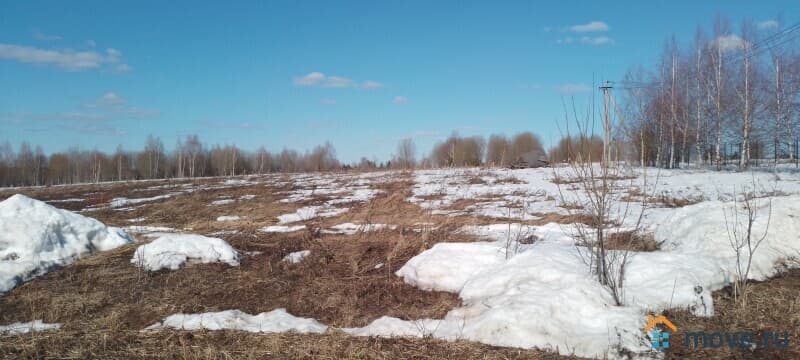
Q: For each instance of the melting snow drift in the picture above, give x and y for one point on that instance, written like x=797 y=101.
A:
x=171 y=251
x=24 y=328
x=277 y=320
x=36 y=237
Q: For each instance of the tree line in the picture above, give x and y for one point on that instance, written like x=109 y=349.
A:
x=29 y=166
x=728 y=96
x=189 y=158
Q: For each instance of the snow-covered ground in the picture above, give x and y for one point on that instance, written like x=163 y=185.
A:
x=522 y=285
x=542 y=294
x=36 y=237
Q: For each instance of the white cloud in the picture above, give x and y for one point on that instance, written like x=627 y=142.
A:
x=599 y=40
x=38 y=35
x=730 y=42
x=98 y=117
x=113 y=103
x=566 y=40
x=66 y=59
x=123 y=68
x=767 y=24
x=400 y=100
x=111 y=98
x=318 y=79
x=573 y=88
x=591 y=26
x=369 y=84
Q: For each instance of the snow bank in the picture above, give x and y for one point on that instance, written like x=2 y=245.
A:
x=277 y=320
x=697 y=257
x=171 y=251
x=544 y=296
x=36 y=237
x=296 y=256
x=448 y=266
x=24 y=328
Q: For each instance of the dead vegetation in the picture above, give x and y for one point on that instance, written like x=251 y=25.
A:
x=173 y=344
x=773 y=306
x=347 y=281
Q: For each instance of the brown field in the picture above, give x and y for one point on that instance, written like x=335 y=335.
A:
x=104 y=301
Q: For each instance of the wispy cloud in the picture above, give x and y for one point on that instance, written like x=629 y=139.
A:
x=67 y=59
x=98 y=116
x=767 y=24
x=592 y=26
x=328 y=102
x=318 y=79
x=598 y=40
x=400 y=100
x=730 y=42
x=112 y=102
x=573 y=88
x=369 y=84
x=39 y=35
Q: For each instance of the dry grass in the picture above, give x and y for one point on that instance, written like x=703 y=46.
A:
x=630 y=240
x=103 y=300
x=773 y=306
x=173 y=344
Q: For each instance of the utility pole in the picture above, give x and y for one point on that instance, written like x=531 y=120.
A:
x=606 y=88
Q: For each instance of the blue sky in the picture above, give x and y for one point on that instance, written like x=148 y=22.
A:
x=361 y=74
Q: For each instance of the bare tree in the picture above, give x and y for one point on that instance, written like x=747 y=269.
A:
x=739 y=222
x=405 y=156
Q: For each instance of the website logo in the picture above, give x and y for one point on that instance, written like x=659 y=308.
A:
x=659 y=337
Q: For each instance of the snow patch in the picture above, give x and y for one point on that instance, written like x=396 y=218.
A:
x=171 y=251
x=310 y=212
x=275 y=321
x=296 y=256
x=222 y=202
x=24 y=328
x=351 y=229
x=282 y=228
x=229 y=218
